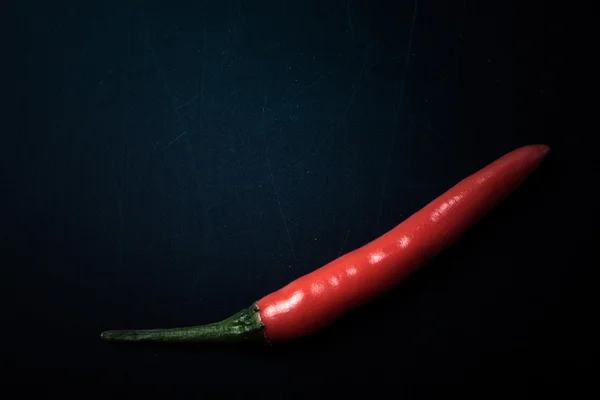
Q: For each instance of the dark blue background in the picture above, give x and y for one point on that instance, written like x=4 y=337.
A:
x=168 y=163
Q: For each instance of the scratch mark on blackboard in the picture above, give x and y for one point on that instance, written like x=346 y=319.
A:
x=408 y=51
x=397 y=106
x=356 y=87
x=188 y=102
x=120 y=206
x=240 y=233
x=345 y=241
x=349 y=17
x=176 y=139
x=287 y=231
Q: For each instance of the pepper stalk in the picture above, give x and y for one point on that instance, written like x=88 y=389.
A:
x=244 y=326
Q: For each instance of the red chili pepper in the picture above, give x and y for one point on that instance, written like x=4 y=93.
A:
x=317 y=299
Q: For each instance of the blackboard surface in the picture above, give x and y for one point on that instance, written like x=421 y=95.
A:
x=168 y=163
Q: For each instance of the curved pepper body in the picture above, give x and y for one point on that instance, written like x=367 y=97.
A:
x=317 y=299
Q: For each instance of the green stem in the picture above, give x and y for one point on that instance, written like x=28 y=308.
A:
x=243 y=326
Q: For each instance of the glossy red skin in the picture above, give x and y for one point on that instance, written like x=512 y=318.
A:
x=319 y=298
